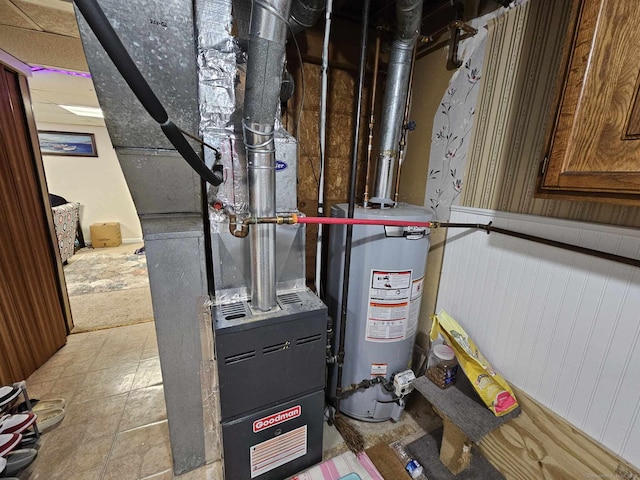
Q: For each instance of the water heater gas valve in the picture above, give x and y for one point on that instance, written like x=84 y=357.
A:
x=403 y=383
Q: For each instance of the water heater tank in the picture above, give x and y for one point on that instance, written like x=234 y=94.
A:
x=385 y=290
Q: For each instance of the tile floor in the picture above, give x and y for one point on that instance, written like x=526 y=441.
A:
x=116 y=424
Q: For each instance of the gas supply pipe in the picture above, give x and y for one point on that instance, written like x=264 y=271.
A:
x=360 y=221
x=240 y=227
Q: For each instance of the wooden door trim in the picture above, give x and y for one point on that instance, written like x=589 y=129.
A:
x=44 y=193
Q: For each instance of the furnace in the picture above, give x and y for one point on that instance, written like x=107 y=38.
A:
x=223 y=231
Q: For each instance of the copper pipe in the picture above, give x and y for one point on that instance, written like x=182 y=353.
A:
x=243 y=224
x=372 y=121
x=241 y=232
x=405 y=125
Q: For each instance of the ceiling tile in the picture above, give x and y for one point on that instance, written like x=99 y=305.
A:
x=53 y=20
x=47 y=113
x=62 y=89
x=12 y=16
x=39 y=97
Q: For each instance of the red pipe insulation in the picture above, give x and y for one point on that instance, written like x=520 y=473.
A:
x=361 y=221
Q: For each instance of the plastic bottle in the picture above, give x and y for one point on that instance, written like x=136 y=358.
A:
x=442 y=366
x=413 y=468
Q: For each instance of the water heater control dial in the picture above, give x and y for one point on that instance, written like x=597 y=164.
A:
x=403 y=383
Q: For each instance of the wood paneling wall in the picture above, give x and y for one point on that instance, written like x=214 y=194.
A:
x=32 y=312
x=515 y=108
x=561 y=326
x=341 y=108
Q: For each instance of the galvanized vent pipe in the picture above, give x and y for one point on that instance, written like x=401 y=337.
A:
x=266 y=51
x=304 y=14
x=409 y=13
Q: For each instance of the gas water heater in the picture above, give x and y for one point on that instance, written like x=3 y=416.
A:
x=385 y=290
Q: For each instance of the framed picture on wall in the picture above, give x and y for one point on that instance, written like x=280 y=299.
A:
x=69 y=144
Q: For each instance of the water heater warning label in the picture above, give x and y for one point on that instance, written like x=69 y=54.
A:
x=389 y=302
x=379 y=370
x=277 y=451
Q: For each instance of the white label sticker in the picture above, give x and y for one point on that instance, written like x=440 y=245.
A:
x=391 y=280
x=389 y=298
x=378 y=369
x=414 y=306
x=277 y=451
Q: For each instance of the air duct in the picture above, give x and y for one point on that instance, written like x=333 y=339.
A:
x=266 y=51
x=409 y=13
x=304 y=14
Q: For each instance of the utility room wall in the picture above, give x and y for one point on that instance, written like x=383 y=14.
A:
x=341 y=109
x=96 y=182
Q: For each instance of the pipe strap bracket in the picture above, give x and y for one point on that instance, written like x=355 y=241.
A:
x=268 y=23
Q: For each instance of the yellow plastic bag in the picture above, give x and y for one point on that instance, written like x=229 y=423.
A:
x=492 y=388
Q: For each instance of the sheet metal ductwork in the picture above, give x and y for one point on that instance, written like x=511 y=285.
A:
x=409 y=13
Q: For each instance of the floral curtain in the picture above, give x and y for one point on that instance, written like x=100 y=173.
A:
x=451 y=134
x=454 y=122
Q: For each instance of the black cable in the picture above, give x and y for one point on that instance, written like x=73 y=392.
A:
x=108 y=38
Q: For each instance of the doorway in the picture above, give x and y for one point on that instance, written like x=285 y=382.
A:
x=108 y=286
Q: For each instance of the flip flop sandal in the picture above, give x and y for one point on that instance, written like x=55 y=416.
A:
x=41 y=405
x=16 y=423
x=8 y=395
x=49 y=418
x=8 y=442
x=20 y=459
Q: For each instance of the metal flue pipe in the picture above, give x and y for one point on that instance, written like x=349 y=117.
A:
x=409 y=13
x=265 y=59
x=304 y=14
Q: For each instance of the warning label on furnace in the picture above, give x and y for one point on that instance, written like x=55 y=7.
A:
x=389 y=301
x=277 y=451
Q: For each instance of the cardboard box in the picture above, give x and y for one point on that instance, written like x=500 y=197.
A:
x=105 y=234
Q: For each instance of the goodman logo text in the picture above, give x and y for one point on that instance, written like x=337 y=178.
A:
x=276 y=418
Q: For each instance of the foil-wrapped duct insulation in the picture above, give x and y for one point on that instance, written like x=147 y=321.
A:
x=222 y=28
x=221 y=75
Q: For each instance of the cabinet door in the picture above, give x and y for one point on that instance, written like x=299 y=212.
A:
x=595 y=146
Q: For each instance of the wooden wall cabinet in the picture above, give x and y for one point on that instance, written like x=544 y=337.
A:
x=594 y=147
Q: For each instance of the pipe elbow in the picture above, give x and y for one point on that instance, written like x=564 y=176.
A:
x=240 y=232
x=409 y=13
